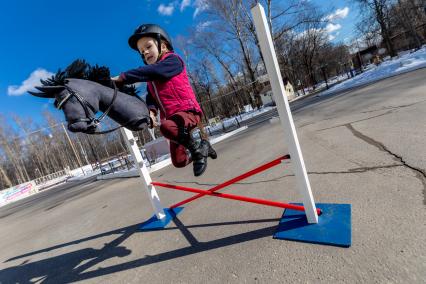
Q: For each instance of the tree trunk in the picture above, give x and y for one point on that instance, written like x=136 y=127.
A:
x=4 y=178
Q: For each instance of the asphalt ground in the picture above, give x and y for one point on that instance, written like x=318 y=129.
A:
x=364 y=147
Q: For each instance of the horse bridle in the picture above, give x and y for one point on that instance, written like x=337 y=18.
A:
x=91 y=120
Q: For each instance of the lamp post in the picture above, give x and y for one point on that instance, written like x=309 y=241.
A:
x=94 y=153
x=361 y=63
x=323 y=68
x=73 y=149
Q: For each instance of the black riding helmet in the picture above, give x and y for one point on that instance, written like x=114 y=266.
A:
x=153 y=31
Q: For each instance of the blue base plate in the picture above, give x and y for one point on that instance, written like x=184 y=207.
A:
x=156 y=224
x=333 y=228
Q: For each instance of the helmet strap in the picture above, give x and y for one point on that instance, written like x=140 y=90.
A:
x=158 y=38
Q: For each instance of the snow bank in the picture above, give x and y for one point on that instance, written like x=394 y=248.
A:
x=404 y=63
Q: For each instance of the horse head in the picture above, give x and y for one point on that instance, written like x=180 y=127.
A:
x=79 y=110
x=81 y=99
x=82 y=90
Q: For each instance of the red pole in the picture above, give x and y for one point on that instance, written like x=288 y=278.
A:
x=234 y=180
x=235 y=197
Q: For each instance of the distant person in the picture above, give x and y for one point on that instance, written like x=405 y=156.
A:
x=377 y=60
x=169 y=92
x=352 y=69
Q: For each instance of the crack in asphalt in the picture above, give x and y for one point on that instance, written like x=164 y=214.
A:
x=383 y=108
x=394 y=107
x=420 y=174
x=350 y=171
x=364 y=119
x=358 y=170
x=390 y=108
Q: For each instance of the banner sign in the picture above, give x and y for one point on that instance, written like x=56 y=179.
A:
x=17 y=192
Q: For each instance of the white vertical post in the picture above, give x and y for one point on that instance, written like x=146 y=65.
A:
x=143 y=172
x=269 y=55
x=152 y=132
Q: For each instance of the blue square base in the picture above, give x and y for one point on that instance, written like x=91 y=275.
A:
x=333 y=228
x=156 y=224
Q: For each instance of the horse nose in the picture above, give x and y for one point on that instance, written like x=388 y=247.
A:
x=91 y=129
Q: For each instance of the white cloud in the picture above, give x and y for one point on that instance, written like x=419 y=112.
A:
x=332 y=27
x=342 y=13
x=333 y=36
x=200 y=5
x=28 y=84
x=203 y=25
x=184 y=4
x=166 y=10
x=339 y=14
x=331 y=30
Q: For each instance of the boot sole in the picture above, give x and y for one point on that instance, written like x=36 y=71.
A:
x=197 y=175
x=202 y=172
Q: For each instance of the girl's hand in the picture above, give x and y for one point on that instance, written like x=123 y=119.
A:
x=153 y=119
x=117 y=79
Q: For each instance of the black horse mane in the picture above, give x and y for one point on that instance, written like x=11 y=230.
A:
x=80 y=69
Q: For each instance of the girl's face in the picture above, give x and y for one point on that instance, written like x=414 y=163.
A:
x=147 y=46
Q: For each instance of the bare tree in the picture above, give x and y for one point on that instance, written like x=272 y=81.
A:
x=12 y=148
x=5 y=182
x=406 y=18
x=368 y=31
x=232 y=26
x=306 y=47
x=379 y=10
x=38 y=160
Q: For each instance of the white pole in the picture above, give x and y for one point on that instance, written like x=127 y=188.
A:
x=143 y=173
x=152 y=132
x=269 y=55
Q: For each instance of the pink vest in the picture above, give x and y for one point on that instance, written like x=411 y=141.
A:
x=175 y=94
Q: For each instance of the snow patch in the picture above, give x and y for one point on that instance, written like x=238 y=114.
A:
x=405 y=62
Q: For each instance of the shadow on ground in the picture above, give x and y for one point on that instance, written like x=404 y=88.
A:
x=71 y=267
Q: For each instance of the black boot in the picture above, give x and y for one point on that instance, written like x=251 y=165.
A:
x=199 y=152
x=212 y=153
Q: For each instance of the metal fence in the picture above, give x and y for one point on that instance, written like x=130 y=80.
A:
x=50 y=177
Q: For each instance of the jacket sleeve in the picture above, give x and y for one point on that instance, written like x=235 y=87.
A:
x=162 y=70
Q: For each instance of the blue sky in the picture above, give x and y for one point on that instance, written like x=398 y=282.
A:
x=39 y=37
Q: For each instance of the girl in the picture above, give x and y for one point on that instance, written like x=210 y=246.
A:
x=170 y=92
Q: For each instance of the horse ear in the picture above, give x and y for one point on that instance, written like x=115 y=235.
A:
x=50 y=91
x=41 y=95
